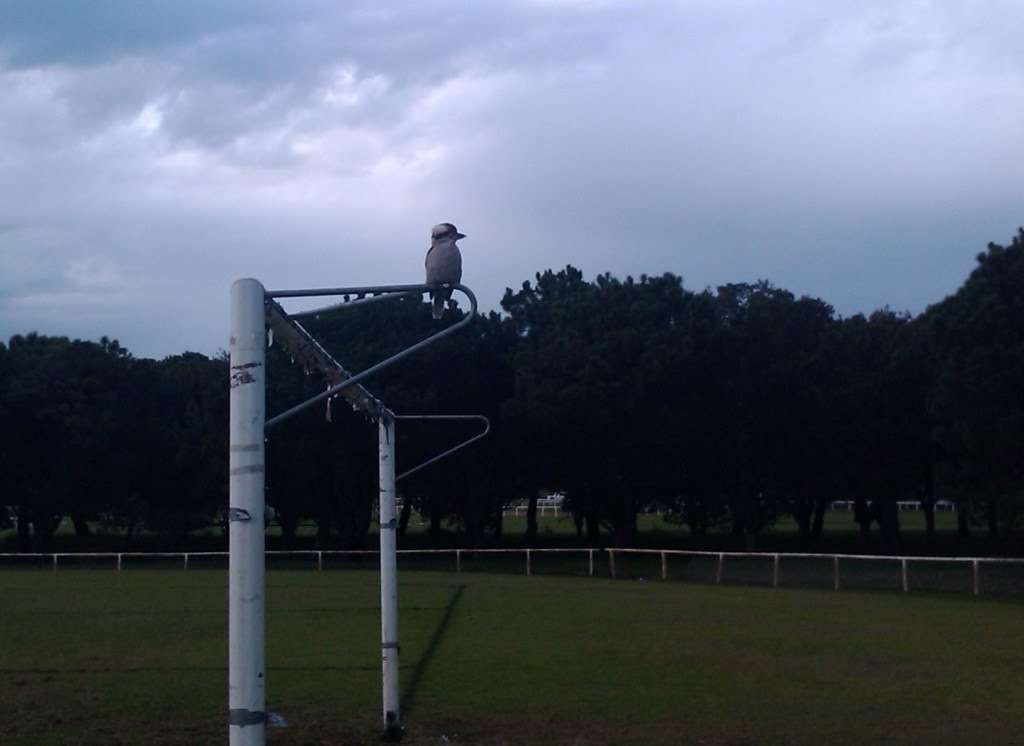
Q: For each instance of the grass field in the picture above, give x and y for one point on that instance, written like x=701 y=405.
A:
x=102 y=657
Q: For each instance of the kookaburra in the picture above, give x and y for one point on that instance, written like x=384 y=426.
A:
x=444 y=263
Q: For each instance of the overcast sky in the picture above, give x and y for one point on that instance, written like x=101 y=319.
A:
x=153 y=152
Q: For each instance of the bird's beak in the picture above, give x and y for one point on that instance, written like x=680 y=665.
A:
x=459 y=235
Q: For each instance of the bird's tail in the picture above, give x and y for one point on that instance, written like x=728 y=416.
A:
x=438 y=306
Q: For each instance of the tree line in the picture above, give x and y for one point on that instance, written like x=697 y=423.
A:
x=725 y=409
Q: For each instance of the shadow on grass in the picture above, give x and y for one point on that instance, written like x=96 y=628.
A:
x=409 y=697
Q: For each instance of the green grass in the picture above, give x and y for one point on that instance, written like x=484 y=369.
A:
x=100 y=657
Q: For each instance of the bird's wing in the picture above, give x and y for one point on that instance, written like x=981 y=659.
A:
x=444 y=264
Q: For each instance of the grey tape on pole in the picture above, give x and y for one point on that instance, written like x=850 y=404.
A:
x=392 y=524
x=389 y=646
x=251 y=469
x=238 y=514
x=242 y=718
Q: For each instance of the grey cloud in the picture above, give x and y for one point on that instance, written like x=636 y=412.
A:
x=863 y=152
x=78 y=33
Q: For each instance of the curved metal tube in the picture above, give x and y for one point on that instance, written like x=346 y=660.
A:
x=450 y=451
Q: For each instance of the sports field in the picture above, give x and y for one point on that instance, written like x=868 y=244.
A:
x=140 y=656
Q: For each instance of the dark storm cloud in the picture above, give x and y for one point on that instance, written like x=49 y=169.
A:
x=154 y=152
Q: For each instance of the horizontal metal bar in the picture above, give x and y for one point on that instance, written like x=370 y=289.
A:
x=450 y=451
x=371 y=290
x=369 y=552
x=822 y=555
x=439 y=417
x=338 y=388
x=349 y=304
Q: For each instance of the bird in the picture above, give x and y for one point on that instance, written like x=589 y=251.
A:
x=443 y=263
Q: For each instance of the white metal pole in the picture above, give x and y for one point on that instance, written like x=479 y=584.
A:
x=388 y=577
x=246 y=695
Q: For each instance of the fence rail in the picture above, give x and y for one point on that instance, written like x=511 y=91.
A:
x=973 y=575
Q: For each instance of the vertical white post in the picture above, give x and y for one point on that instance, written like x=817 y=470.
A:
x=246 y=695
x=388 y=578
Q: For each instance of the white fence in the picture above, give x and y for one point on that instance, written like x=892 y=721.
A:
x=542 y=510
x=120 y=560
x=971 y=574
x=545 y=506
x=964 y=574
x=900 y=504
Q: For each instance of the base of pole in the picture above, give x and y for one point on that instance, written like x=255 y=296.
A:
x=393 y=730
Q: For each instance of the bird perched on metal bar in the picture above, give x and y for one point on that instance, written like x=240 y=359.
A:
x=444 y=263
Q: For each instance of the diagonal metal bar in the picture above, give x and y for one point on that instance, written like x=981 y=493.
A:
x=358 y=377
x=306 y=351
x=450 y=451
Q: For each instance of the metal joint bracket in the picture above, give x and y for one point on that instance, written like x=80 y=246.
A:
x=390 y=525
x=389 y=646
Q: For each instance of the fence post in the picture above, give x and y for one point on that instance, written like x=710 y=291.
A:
x=664 y=568
x=319 y=560
x=528 y=568
x=611 y=561
x=590 y=552
x=977 y=583
x=458 y=560
x=119 y=562
x=186 y=561
x=835 y=571
x=903 y=572
x=775 y=571
x=55 y=563
x=718 y=572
